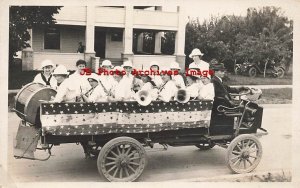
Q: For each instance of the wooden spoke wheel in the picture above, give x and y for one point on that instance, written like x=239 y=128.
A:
x=252 y=72
x=280 y=72
x=244 y=154
x=122 y=159
x=205 y=146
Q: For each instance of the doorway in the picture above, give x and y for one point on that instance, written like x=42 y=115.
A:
x=100 y=41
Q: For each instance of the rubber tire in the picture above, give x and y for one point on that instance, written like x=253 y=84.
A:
x=252 y=72
x=206 y=147
x=233 y=144
x=116 y=141
x=282 y=72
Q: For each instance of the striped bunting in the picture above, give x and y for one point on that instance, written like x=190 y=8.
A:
x=122 y=117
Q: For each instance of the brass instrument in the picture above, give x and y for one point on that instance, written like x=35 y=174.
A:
x=182 y=96
x=143 y=98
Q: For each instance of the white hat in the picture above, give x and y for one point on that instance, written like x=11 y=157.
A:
x=47 y=62
x=127 y=64
x=93 y=76
x=174 y=65
x=106 y=63
x=196 y=51
x=154 y=63
x=118 y=68
x=60 y=69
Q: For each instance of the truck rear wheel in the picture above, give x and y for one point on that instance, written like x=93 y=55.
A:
x=122 y=159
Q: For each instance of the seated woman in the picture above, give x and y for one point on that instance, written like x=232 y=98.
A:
x=207 y=91
x=177 y=78
x=96 y=93
x=168 y=88
x=116 y=84
x=65 y=91
x=125 y=90
x=193 y=85
x=45 y=77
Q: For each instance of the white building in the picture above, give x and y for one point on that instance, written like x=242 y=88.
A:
x=106 y=33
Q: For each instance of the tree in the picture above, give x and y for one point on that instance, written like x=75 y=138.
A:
x=22 y=18
x=261 y=35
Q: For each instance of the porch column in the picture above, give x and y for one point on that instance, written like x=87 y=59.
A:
x=140 y=42
x=157 y=47
x=180 y=37
x=89 y=34
x=128 y=32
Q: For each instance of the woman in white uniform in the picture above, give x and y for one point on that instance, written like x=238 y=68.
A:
x=45 y=77
x=177 y=78
x=207 y=91
x=96 y=93
x=168 y=88
x=193 y=85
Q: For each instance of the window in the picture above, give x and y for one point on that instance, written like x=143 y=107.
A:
x=117 y=35
x=52 y=39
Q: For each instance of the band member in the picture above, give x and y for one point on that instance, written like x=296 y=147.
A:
x=60 y=74
x=81 y=80
x=193 y=85
x=168 y=88
x=45 y=77
x=116 y=85
x=66 y=91
x=207 y=90
x=125 y=91
x=106 y=77
x=154 y=67
x=196 y=55
x=177 y=78
x=96 y=93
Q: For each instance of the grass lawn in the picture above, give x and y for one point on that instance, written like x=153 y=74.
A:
x=276 y=96
x=246 y=80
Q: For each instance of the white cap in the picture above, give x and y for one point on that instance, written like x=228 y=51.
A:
x=60 y=69
x=127 y=64
x=106 y=63
x=93 y=76
x=47 y=62
x=118 y=68
x=154 y=63
x=174 y=65
x=196 y=51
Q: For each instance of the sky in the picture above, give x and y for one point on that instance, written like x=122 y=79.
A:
x=204 y=10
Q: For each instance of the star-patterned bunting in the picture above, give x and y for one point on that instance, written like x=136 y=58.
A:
x=122 y=117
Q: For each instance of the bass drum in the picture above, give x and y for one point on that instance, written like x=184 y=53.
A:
x=28 y=100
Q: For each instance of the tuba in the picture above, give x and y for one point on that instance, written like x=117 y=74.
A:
x=182 y=96
x=143 y=97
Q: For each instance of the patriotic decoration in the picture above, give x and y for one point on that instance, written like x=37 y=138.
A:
x=122 y=117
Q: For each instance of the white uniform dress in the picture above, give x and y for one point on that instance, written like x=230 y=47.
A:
x=203 y=66
x=168 y=91
x=67 y=92
x=207 y=92
x=193 y=90
x=38 y=79
x=97 y=94
x=157 y=80
x=71 y=88
x=107 y=81
x=179 y=82
x=123 y=90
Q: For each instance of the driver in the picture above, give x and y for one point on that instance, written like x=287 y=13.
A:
x=222 y=90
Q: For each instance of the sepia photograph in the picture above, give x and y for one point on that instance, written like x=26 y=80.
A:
x=191 y=91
